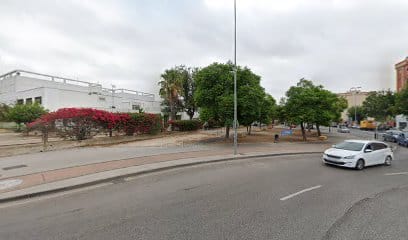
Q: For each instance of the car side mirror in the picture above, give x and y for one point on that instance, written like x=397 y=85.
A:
x=368 y=150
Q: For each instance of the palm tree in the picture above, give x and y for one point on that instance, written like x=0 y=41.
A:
x=170 y=88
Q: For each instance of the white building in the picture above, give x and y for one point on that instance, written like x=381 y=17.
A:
x=21 y=87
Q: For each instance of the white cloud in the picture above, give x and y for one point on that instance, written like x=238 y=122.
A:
x=338 y=43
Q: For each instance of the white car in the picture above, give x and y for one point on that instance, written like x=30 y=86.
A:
x=358 y=154
x=343 y=130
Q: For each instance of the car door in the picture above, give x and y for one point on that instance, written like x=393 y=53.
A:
x=379 y=153
x=369 y=155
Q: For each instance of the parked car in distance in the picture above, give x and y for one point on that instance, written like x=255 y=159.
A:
x=343 y=129
x=391 y=135
x=403 y=139
x=358 y=154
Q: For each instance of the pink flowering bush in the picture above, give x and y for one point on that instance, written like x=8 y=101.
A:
x=83 y=123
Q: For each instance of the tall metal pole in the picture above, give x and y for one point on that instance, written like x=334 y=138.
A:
x=235 y=80
x=353 y=91
x=355 y=108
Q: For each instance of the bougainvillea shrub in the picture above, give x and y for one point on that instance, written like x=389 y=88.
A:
x=143 y=123
x=83 y=123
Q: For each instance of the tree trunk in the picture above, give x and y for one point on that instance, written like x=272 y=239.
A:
x=303 y=131
x=227 y=131
x=190 y=114
x=45 y=138
x=250 y=128
x=318 y=130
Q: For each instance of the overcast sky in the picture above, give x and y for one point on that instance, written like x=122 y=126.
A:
x=337 y=43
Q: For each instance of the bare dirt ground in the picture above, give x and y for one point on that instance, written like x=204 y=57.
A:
x=218 y=136
x=12 y=143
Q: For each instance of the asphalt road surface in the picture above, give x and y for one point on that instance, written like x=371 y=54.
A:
x=293 y=197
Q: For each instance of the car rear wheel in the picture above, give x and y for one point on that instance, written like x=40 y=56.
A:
x=387 y=161
x=360 y=164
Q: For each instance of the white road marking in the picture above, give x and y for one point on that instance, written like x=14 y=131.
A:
x=300 y=192
x=397 y=173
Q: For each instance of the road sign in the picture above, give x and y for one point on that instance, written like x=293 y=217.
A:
x=286 y=132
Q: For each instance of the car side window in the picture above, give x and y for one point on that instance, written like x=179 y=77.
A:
x=378 y=146
x=369 y=146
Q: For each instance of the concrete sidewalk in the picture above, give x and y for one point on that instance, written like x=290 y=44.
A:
x=69 y=171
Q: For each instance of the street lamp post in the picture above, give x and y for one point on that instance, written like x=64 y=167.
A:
x=113 y=96
x=235 y=80
x=353 y=91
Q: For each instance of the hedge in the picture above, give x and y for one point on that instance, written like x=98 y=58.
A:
x=83 y=123
x=186 y=125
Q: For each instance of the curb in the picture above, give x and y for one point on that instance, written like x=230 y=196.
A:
x=143 y=172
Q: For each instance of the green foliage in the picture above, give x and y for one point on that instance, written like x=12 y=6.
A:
x=402 y=102
x=268 y=109
x=359 y=110
x=380 y=105
x=308 y=103
x=4 y=109
x=170 y=88
x=25 y=113
x=188 y=89
x=142 y=123
x=214 y=95
x=187 y=125
x=177 y=90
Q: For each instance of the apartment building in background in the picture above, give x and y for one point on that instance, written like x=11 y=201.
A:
x=53 y=92
x=354 y=98
x=401 y=69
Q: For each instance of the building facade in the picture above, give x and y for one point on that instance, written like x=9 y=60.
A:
x=53 y=92
x=401 y=69
x=354 y=98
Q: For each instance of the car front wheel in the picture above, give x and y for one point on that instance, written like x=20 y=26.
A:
x=360 y=164
x=387 y=161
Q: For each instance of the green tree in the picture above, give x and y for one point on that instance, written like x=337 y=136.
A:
x=357 y=110
x=250 y=103
x=25 y=113
x=328 y=107
x=340 y=106
x=380 y=105
x=281 y=111
x=170 y=89
x=188 y=89
x=402 y=102
x=3 y=111
x=308 y=104
x=214 y=94
x=268 y=110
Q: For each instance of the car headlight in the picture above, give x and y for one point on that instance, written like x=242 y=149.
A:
x=349 y=157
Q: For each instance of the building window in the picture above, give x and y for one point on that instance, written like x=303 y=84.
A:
x=38 y=100
x=102 y=99
x=20 y=101
x=135 y=107
x=29 y=101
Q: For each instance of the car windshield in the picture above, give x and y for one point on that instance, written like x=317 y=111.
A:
x=351 y=146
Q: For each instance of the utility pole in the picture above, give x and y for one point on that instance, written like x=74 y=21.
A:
x=113 y=97
x=353 y=91
x=235 y=81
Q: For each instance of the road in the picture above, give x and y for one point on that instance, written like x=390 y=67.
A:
x=267 y=198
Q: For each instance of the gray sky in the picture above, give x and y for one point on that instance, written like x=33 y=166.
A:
x=337 y=43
